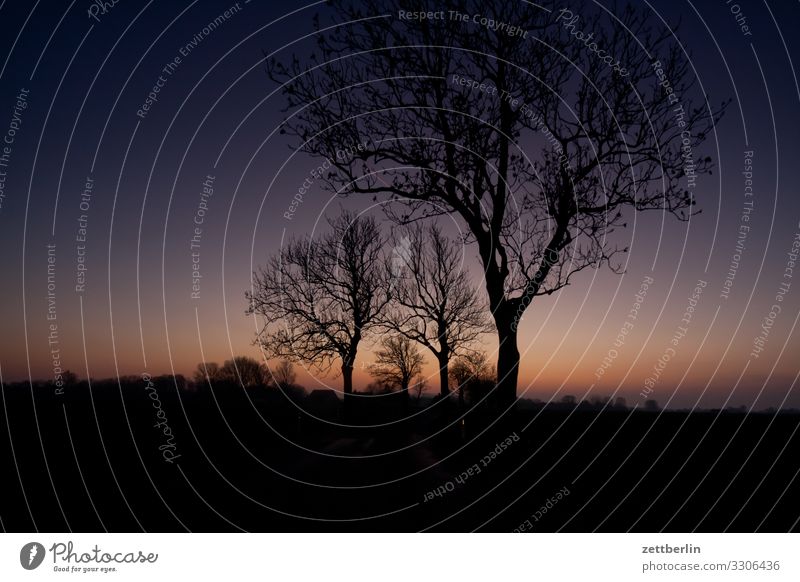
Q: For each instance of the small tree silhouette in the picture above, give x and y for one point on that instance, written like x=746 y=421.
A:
x=434 y=302
x=243 y=370
x=418 y=388
x=319 y=299
x=397 y=363
x=283 y=374
x=206 y=372
x=470 y=371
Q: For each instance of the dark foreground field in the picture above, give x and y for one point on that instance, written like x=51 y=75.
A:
x=252 y=460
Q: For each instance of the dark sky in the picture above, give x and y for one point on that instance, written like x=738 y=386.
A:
x=215 y=121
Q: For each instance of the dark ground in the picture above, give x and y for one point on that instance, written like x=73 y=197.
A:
x=242 y=465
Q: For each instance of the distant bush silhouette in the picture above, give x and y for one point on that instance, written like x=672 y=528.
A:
x=569 y=400
x=651 y=405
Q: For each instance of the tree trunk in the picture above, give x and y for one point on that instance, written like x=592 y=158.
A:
x=507 y=360
x=404 y=390
x=348 y=362
x=444 y=360
x=347 y=377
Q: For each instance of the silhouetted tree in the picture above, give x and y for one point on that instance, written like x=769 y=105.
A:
x=282 y=377
x=319 y=298
x=441 y=110
x=397 y=363
x=243 y=370
x=434 y=301
x=206 y=372
x=470 y=371
x=419 y=387
x=283 y=374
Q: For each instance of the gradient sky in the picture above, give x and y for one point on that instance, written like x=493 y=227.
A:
x=216 y=115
